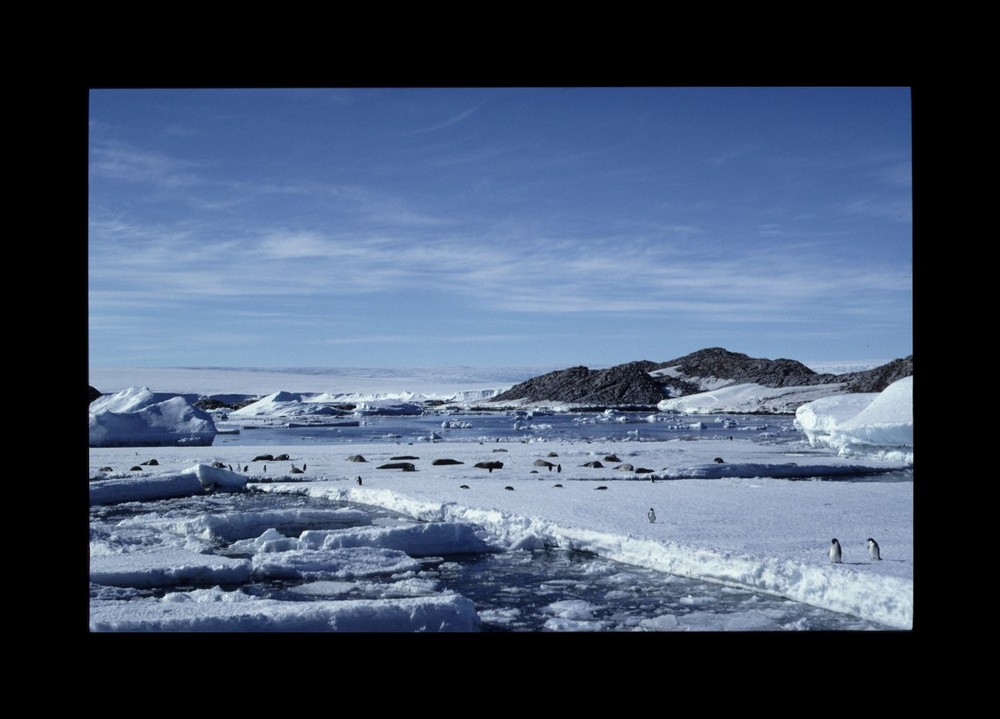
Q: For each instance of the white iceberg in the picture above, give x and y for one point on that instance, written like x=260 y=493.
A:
x=138 y=417
x=877 y=425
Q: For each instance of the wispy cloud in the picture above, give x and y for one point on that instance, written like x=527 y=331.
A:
x=453 y=120
x=117 y=161
x=435 y=210
x=505 y=273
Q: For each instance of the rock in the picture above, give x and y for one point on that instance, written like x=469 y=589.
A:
x=878 y=378
x=644 y=383
x=624 y=384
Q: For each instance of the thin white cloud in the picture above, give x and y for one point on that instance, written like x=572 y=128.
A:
x=454 y=120
x=117 y=161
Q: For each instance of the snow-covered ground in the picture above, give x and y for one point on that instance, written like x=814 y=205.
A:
x=745 y=512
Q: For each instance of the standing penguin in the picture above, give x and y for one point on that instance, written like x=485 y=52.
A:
x=873 y=550
x=359 y=481
x=835 y=551
x=651 y=515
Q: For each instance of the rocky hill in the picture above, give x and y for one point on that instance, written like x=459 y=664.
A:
x=878 y=378
x=646 y=383
x=629 y=383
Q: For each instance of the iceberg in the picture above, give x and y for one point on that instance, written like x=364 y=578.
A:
x=138 y=417
x=876 y=425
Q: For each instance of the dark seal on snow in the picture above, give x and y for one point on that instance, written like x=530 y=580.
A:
x=405 y=466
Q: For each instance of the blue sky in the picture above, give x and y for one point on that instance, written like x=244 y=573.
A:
x=411 y=227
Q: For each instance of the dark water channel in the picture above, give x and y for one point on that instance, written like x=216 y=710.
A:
x=519 y=591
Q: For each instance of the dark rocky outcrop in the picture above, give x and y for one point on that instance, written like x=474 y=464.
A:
x=632 y=385
x=628 y=383
x=878 y=378
x=94 y=393
x=211 y=403
x=740 y=368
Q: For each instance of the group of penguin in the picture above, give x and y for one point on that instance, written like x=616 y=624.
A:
x=835 y=552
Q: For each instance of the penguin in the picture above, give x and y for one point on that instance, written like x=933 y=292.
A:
x=835 y=551
x=304 y=466
x=873 y=550
x=359 y=481
x=651 y=515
